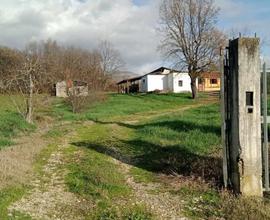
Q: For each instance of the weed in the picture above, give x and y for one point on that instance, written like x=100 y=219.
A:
x=134 y=212
x=7 y=197
x=245 y=207
x=201 y=203
x=137 y=213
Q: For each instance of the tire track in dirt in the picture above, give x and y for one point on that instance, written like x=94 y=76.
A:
x=49 y=197
x=164 y=205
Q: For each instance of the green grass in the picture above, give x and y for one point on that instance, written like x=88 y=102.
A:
x=11 y=123
x=57 y=132
x=185 y=143
x=201 y=202
x=7 y=197
x=94 y=176
x=133 y=212
x=180 y=142
x=142 y=176
x=119 y=105
x=42 y=158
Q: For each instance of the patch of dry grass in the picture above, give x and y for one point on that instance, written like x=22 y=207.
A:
x=238 y=208
x=16 y=162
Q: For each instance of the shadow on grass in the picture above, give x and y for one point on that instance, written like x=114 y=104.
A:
x=169 y=159
x=176 y=125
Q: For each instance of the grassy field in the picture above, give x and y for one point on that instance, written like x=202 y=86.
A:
x=120 y=105
x=164 y=144
x=183 y=143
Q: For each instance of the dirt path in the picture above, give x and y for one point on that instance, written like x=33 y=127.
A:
x=16 y=162
x=164 y=205
x=49 y=198
x=154 y=114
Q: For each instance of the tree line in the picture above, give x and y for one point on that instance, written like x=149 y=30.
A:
x=37 y=68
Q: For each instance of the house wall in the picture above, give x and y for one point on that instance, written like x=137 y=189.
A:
x=61 y=89
x=150 y=83
x=211 y=87
x=168 y=82
x=184 y=77
x=157 y=82
x=143 y=84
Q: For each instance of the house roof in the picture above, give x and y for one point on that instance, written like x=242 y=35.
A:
x=161 y=69
x=155 y=72
x=211 y=75
x=130 y=80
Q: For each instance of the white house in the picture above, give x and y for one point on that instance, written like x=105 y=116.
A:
x=162 y=79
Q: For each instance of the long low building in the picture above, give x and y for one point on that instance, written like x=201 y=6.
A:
x=162 y=79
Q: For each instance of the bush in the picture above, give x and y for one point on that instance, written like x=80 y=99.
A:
x=80 y=103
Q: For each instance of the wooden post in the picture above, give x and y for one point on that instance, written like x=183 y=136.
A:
x=128 y=87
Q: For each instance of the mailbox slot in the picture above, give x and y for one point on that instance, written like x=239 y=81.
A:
x=249 y=102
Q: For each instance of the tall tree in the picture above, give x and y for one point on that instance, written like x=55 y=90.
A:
x=111 y=60
x=190 y=35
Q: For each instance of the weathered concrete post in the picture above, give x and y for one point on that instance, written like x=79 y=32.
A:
x=243 y=120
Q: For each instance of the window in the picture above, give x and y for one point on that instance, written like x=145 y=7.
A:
x=213 y=81
x=143 y=80
x=180 y=83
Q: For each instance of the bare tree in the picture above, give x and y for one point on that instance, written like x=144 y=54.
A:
x=10 y=62
x=24 y=74
x=190 y=36
x=23 y=79
x=82 y=66
x=111 y=61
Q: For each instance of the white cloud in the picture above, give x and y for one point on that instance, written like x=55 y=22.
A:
x=131 y=28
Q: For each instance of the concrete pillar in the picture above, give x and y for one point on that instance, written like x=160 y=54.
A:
x=244 y=117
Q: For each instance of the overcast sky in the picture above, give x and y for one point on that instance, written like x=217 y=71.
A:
x=129 y=24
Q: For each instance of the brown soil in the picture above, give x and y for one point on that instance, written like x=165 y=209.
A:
x=49 y=198
x=164 y=205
